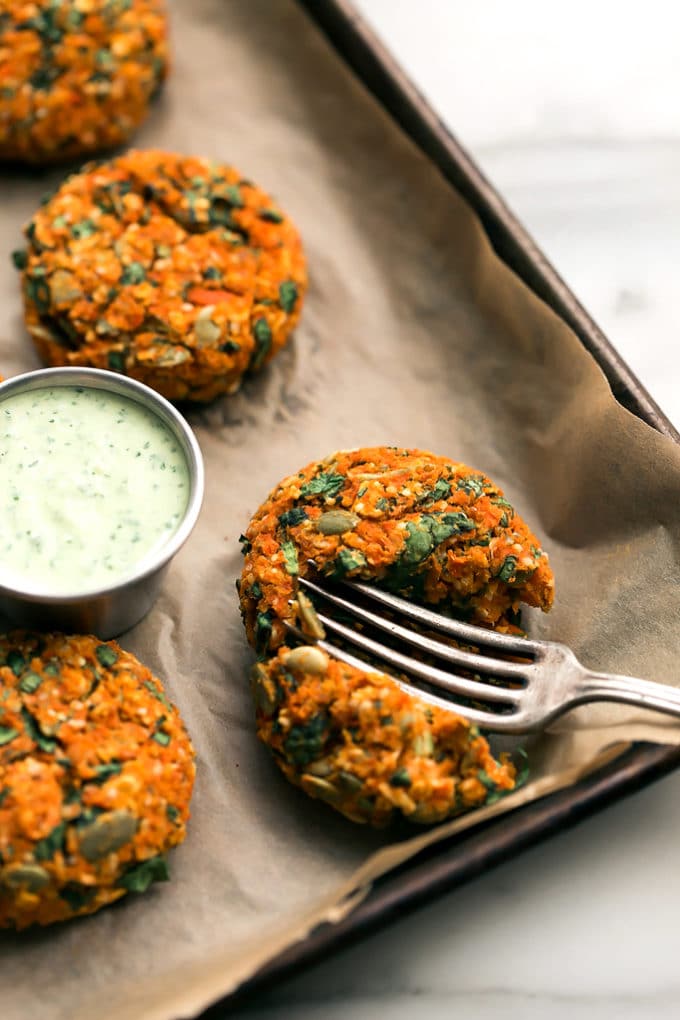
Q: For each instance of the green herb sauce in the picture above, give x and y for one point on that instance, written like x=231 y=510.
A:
x=92 y=484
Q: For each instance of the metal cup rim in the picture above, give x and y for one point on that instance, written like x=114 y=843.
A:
x=113 y=382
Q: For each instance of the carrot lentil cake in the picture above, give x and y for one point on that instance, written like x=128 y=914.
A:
x=171 y=269
x=428 y=529
x=96 y=773
x=76 y=76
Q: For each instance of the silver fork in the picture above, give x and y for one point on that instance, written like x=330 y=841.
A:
x=519 y=696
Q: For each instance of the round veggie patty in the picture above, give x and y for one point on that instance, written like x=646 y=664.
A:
x=96 y=773
x=428 y=529
x=174 y=270
x=76 y=76
x=369 y=749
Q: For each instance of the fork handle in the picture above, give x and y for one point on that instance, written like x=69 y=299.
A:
x=644 y=693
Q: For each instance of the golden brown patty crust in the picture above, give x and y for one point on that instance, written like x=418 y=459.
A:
x=96 y=773
x=369 y=749
x=76 y=76
x=428 y=529
x=171 y=269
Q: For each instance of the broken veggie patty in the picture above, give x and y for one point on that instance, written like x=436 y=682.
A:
x=96 y=773
x=76 y=76
x=173 y=270
x=425 y=528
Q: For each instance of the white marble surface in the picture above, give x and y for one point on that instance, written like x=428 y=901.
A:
x=572 y=110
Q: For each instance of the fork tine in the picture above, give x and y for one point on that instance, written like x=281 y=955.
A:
x=456 y=628
x=437 y=677
x=487 y=720
x=468 y=660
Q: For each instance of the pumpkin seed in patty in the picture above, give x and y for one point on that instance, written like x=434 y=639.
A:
x=30 y=877
x=107 y=833
x=336 y=522
x=306 y=659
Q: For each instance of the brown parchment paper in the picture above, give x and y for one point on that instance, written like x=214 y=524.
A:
x=414 y=334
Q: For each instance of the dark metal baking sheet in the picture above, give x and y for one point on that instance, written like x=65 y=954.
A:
x=451 y=863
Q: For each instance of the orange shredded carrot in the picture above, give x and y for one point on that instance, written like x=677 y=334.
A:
x=428 y=529
x=76 y=77
x=96 y=773
x=171 y=269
